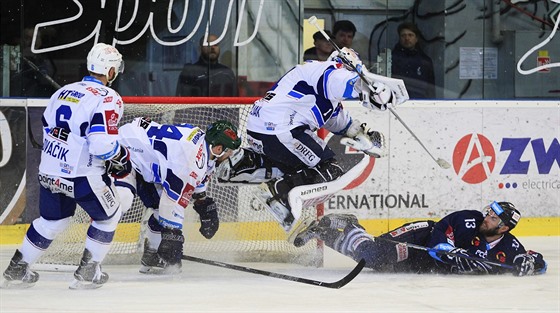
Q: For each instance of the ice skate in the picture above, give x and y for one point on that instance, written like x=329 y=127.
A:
x=153 y=264
x=89 y=274
x=281 y=212
x=307 y=234
x=338 y=221
x=18 y=275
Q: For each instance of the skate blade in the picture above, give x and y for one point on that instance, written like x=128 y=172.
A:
x=12 y=284
x=81 y=285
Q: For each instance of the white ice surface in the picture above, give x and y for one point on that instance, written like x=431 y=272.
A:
x=203 y=288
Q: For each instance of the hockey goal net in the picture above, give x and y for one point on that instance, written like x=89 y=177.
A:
x=247 y=233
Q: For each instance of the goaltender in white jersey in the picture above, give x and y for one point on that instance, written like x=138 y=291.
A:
x=285 y=152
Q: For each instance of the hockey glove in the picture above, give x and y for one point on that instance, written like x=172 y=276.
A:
x=378 y=97
x=171 y=246
x=524 y=264
x=209 y=221
x=463 y=265
x=119 y=166
x=369 y=141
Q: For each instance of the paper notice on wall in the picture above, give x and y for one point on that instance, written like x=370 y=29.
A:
x=477 y=62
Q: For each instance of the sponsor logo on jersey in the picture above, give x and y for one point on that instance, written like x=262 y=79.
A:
x=402 y=252
x=108 y=99
x=475 y=242
x=474 y=160
x=112 y=121
x=269 y=126
x=256 y=145
x=305 y=152
x=66 y=168
x=98 y=91
x=70 y=96
x=501 y=256
x=194 y=175
x=195 y=136
x=57 y=184
x=449 y=234
x=410 y=227
x=186 y=195
x=109 y=198
x=200 y=159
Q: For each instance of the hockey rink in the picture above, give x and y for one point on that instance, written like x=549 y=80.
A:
x=204 y=288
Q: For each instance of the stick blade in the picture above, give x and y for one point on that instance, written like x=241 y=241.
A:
x=443 y=164
x=348 y=278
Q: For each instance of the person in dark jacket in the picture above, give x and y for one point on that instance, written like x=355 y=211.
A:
x=207 y=77
x=467 y=238
x=411 y=64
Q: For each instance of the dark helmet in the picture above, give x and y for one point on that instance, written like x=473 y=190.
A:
x=223 y=133
x=507 y=212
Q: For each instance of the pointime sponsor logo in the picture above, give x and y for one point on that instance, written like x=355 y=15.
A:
x=56 y=184
x=377 y=201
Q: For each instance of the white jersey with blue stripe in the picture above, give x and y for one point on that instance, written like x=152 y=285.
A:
x=80 y=127
x=309 y=94
x=173 y=156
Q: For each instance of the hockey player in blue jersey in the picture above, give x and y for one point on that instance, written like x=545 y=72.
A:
x=285 y=152
x=80 y=149
x=480 y=234
x=172 y=164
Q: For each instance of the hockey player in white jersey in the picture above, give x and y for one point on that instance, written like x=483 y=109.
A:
x=173 y=163
x=80 y=148
x=284 y=150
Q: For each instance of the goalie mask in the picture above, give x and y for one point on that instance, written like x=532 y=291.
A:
x=349 y=58
x=223 y=133
x=102 y=57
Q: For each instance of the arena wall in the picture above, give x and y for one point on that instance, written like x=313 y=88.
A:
x=498 y=150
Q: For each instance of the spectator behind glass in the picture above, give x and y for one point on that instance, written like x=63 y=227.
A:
x=322 y=49
x=411 y=64
x=207 y=77
x=344 y=32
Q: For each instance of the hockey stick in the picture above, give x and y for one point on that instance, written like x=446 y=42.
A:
x=54 y=84
x=335 y=285
x=441 y=162
x=473 y=258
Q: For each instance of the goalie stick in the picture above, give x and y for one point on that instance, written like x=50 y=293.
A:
x=474 y=258
x=441 y=162
x=334 y=285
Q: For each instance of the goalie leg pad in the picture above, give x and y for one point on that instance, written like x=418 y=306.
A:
x=246 y=166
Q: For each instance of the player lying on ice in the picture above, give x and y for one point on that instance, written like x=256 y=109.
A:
x=469 y=233
x=284 y=151
x=171 y=164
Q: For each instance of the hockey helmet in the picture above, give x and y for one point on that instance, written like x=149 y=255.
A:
x=223 y=133
x=102 y=57
x=507 y=212
x=348 y=57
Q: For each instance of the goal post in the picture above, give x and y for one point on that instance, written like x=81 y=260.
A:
x=247 y=233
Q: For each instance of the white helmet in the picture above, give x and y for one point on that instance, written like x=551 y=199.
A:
x=102 y=57
x=348 y=57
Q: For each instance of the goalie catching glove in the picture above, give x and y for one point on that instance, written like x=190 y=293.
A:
x=208 y=213
x=368 y=141
x=119 y=166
